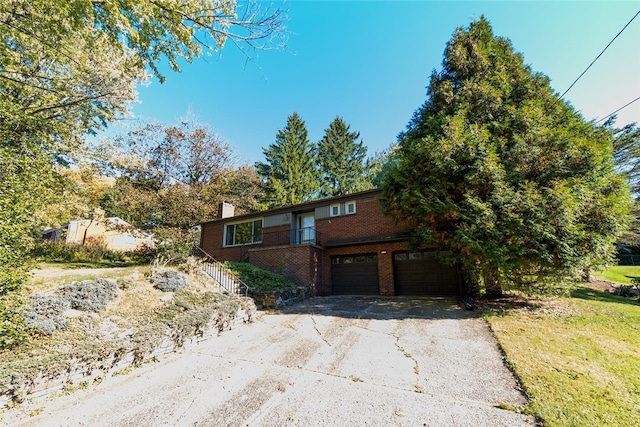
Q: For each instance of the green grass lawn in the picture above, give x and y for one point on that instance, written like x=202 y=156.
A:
x=619 y=273
x=578 y=358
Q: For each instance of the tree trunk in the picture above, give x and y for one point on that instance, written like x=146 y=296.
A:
x=470 y=283
x=492 y=285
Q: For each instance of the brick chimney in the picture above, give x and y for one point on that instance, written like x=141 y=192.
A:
x=225 y=210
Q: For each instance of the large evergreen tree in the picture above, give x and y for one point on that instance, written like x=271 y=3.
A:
x=341 y=160
x=626 y=143
x=289 y=171
x=495 y=168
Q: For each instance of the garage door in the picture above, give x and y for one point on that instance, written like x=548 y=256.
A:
x=421 y=274
x=355 y=274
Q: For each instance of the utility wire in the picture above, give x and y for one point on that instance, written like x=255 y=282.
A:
x=593 y=62
x=624 y=106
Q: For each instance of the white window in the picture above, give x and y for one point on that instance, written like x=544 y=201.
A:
x=243 y=233
x=350 y=208
x=334 y=210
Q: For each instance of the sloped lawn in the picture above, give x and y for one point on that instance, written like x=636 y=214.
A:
x=619 y=273
x=578 y=357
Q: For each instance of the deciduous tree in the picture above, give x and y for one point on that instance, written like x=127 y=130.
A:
x=495 y=168
x=67 y=68
x=174 y=176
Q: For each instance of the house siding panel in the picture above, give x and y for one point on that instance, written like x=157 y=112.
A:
x=276 y=220
x=322 y=212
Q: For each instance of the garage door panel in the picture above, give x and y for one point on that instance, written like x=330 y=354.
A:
x=421 y=274
x=355 y=275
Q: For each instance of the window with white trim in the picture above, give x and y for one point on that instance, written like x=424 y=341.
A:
x=334 y=210
x=350 y=208
x=243 y=233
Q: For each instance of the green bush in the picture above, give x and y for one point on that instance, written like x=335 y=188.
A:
x=259 y=279
x=94 y=253
x=12 y=278
x=13 y=328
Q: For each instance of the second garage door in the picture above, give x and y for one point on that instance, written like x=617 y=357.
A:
x=355 y=274
x=421 y=274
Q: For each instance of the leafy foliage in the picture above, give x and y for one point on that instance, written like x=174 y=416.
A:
x=26 y=179
x=95 y=254
x=626 y=144
x=260 y=279
x=174 y=177
x=497 y=169
x=289 y=171
x=341 y=160
x=69 y=68
x=13 y=328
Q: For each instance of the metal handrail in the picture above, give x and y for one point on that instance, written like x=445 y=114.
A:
x=226 y=278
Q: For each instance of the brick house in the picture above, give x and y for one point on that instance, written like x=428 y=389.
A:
x=341 y=245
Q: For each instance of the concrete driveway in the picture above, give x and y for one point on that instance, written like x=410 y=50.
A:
x=332 y=361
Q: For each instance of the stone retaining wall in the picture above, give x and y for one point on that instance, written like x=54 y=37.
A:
x=82 y=373
x=270 y=300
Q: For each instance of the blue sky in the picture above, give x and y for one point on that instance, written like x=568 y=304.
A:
x=370 y=61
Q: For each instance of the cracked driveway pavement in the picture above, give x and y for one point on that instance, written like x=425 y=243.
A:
x=331 y=361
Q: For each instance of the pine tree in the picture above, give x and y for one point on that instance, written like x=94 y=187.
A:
x=341 y=160
x=497 y=169
x=289 y=171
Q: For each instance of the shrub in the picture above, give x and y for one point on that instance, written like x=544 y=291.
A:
x=90 y=295
x=12 y=278
x=93 y=252
x=259 y=279
x=168 y=280
x=45 y=313
x=13 y=328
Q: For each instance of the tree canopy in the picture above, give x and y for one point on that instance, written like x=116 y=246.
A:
x=67 y=68
x=626 y=143
x=290 y=171
x=174 y=176
x=496 y=169
x=341 y=160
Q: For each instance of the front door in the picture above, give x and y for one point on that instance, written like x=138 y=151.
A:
x=306 y=228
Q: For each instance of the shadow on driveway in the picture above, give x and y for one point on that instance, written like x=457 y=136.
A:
x=377 y=307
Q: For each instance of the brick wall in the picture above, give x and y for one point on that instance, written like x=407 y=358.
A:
x=367 y=221
x=300 y=263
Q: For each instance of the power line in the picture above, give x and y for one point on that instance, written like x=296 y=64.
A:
x=624 y=106
x=593 y=62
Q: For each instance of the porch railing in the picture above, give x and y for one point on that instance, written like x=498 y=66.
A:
x=291 y=237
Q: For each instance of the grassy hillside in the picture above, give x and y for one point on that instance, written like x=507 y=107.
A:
x=94 y=318
x=619 y=273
